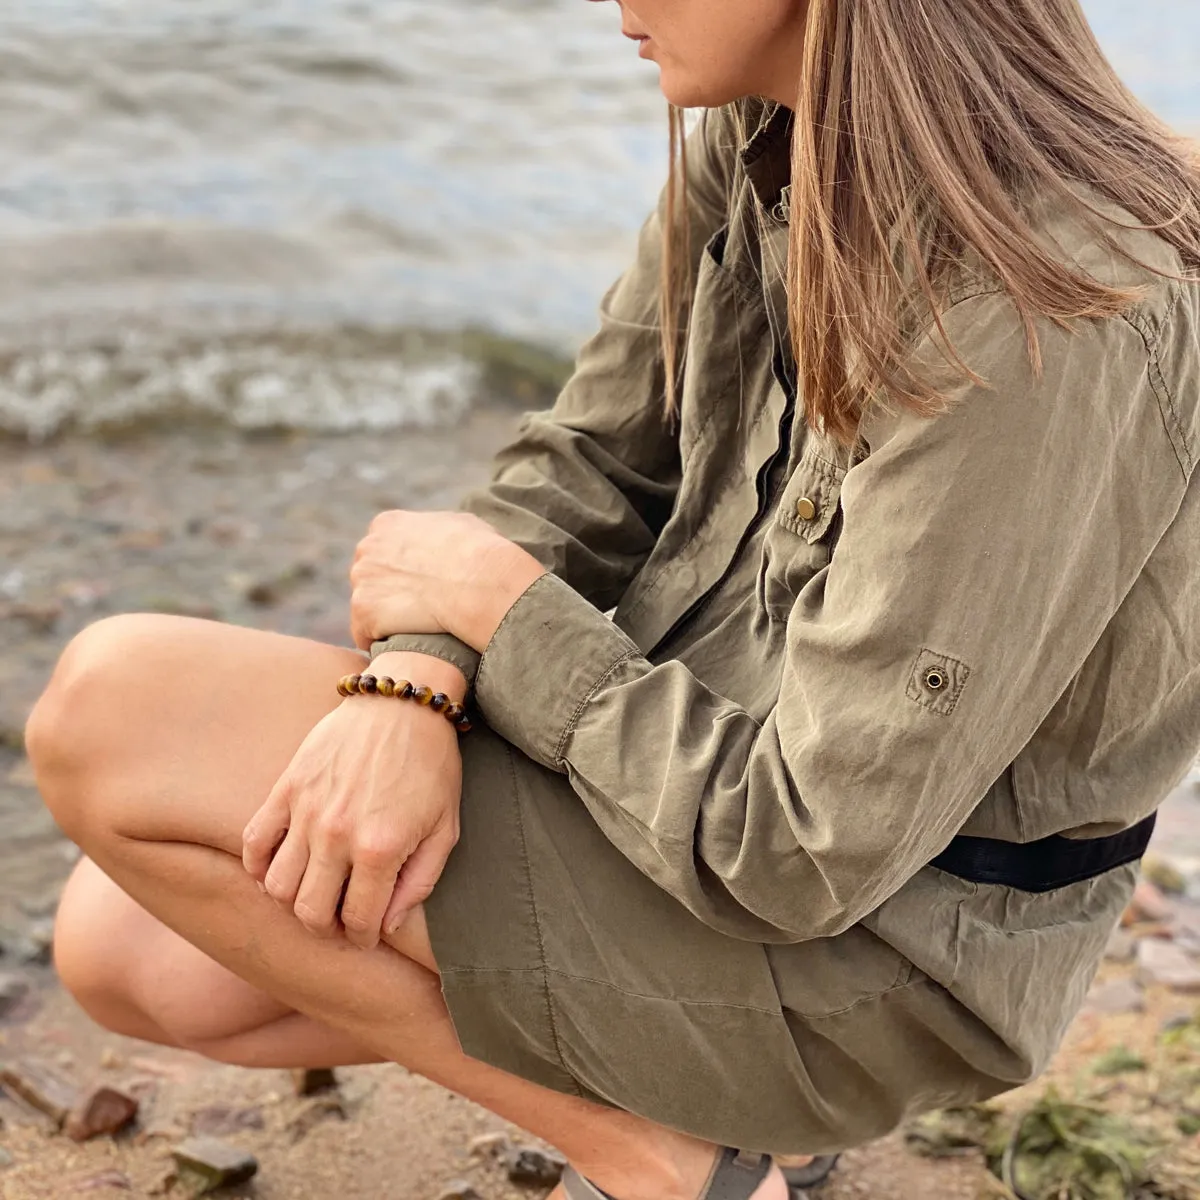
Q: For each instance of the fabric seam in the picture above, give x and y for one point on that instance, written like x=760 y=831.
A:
x=1150 y=339
x=573 y=720
x=537 y=924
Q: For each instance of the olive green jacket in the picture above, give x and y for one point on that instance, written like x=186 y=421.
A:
x=823 y=666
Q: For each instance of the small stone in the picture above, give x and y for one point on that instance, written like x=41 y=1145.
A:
x=6 y=1159
x=311 y=1083
x=1174 y=1022
x=41 y=1089
x=489 y=1145
x=105 y=1111
x=1122 y=946
x=318 y=1110
x=1164 y=875
x=104 y=1180
x=110 y=1060
x=219 y=1119
x=13 y=989
x=1117 y=996
x=533 y=1167
x=1166 y=964
x=1148 y=904
x=208 y=1164
x=458 y=1189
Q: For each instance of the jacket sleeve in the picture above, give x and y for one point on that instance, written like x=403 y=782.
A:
x=992 y=543
x=587 y=486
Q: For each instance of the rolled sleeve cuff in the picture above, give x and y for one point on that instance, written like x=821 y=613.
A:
x=436 y=645
x=547 y=658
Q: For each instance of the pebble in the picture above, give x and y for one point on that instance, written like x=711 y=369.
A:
x=1167 y=964
x=533 y=1167
x=218 y=1119
x=6 y=1159
x=458 y=1189
x=213 y=1164
x=40 y=1088
x=489 y=1145
x=103 y=1112
x=110 y=1060
x=1148 y=904
x=313 y=1082
x=13 y=989
x=1117 y=996
x=106 y=1179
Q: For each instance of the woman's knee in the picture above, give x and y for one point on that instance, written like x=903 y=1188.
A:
x=80 y=721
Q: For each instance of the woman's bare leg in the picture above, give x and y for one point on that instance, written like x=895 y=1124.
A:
x=155 y=742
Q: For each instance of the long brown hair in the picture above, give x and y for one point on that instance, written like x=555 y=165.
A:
x=922 y=129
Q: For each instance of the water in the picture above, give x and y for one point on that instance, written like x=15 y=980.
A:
x=182 y=179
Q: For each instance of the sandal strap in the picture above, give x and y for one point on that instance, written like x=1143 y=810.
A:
x=736 y=1175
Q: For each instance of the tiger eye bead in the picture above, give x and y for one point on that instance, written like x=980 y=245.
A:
x=440 y=702
x=463 y=725
x=454 y=712
x=423 y=695
x=387 y=686
x=352 y=683
x=342 y=689
x=404 y=689
x=369 y=685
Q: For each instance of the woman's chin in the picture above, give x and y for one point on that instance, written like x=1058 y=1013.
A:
x=686 y=91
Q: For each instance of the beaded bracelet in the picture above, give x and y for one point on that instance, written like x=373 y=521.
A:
x=368 y=685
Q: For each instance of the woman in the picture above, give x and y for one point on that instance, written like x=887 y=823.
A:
x=882 y=455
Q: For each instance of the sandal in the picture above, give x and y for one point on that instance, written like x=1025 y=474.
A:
x=736 y=1175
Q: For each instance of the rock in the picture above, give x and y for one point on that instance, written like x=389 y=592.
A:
x=1175 y=1021
x=103 y=1112
x=206 y=1164
x=105 y=1180
x=110 y=1060
x=489 y=1145
x=1148 y=904
x=311 y=1083
x=13 y=989
x=533 y=1167
x=315 y=1112
x=1117 y=996
x=458 y=1189
x=1167 y=964
x=1164 y=875
x=35 y=946
x=218 y=1119
x=6 y=1159
x=41 y=1089
x=1122 y=946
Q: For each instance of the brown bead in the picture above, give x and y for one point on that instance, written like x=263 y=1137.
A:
x=454 y=712
x=463 y=725
x=387 y=686
x=404 y=689
x=422 y=694
x=342 y=689
x=352 y=683
x=440 y=702
x=369 y=685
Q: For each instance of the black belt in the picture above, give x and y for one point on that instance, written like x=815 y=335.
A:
x=1054 y=862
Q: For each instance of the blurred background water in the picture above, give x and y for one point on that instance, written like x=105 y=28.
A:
x=205 y=203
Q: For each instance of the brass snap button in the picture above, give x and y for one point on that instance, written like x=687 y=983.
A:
x=936 y=679
x=806 y=510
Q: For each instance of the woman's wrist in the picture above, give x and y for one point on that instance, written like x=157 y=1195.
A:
x=474 y=614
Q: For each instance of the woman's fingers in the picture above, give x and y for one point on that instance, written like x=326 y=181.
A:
x=419 y=875
x=320 y=893
x=368 y=895
x=264 y=831
x=287 y=869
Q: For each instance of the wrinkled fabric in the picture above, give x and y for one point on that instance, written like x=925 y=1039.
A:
x=824 y=664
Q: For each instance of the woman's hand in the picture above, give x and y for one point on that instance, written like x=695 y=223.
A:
x=368 y=806
x=440 y=572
